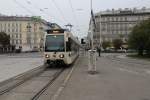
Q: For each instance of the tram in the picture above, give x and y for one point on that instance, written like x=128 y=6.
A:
x=60 y=47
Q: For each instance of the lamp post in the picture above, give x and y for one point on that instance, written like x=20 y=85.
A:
x=100 y=31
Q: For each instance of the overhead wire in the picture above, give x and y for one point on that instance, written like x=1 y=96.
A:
x=29 y=11
x=22 y=6
x=43 y=11
x=39 y=9
x=74 y=14
x=60 y=11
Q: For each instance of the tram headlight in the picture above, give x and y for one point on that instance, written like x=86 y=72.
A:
x=61 y=55
x=69 y=54
x=47 y=56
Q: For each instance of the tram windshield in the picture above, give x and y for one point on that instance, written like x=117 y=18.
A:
x=54 y=43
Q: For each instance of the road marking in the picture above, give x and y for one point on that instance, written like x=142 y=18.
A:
x=130 y=71
x=60 y=89
x=147 y=71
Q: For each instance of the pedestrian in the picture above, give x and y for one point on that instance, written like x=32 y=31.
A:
x=99 y=51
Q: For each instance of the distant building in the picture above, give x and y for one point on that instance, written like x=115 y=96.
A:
x=25 y=32
x=113 y=24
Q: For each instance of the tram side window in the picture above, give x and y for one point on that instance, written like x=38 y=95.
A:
x=68 y=44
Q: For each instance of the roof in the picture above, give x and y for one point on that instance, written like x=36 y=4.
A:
x=124 y=12
x=20 y=18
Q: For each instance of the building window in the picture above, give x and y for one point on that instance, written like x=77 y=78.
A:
x=12 y=24
x=5 y=25
x=12 y=36
x=108 y=19
x=20 y=27
x=116 y=18
x=17 y=35
x=16 y=41
x=16 y=29
x=12 y=30
x=112 y=19
x=125 y=18
x=102 y=19
x=28 y=27
x=8 y=24
x=13 y=42
x=121 y=19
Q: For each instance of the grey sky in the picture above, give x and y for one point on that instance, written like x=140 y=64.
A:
x=61 y=12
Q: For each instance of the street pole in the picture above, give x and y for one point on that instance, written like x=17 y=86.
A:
x=91 y=4
x=92 y=52
x=100 y=31
x=92 y=23
x=92 y=36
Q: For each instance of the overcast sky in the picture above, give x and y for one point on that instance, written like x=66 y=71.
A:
x=75 y=12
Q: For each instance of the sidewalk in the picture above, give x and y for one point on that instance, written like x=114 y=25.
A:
x=109 y=83
x=11 y=67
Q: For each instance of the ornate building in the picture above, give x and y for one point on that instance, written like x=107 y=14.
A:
x=114 y=24
x=25 y=32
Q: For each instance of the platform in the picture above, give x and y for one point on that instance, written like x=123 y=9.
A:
x=113 y=81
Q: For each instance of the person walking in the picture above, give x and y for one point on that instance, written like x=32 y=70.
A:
x=99 y=51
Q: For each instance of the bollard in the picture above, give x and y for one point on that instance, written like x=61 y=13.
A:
x=92 y=61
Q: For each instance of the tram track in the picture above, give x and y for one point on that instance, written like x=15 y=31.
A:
x=16 y=81
x=55 y=76
x=38 y=84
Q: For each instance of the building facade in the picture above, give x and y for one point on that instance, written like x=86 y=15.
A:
x=114 y=24
x=25 y=32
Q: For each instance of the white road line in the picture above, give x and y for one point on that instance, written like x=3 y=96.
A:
x=130 y=71
x=147 y=71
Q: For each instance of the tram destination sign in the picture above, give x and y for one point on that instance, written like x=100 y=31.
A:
x=56 y=31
